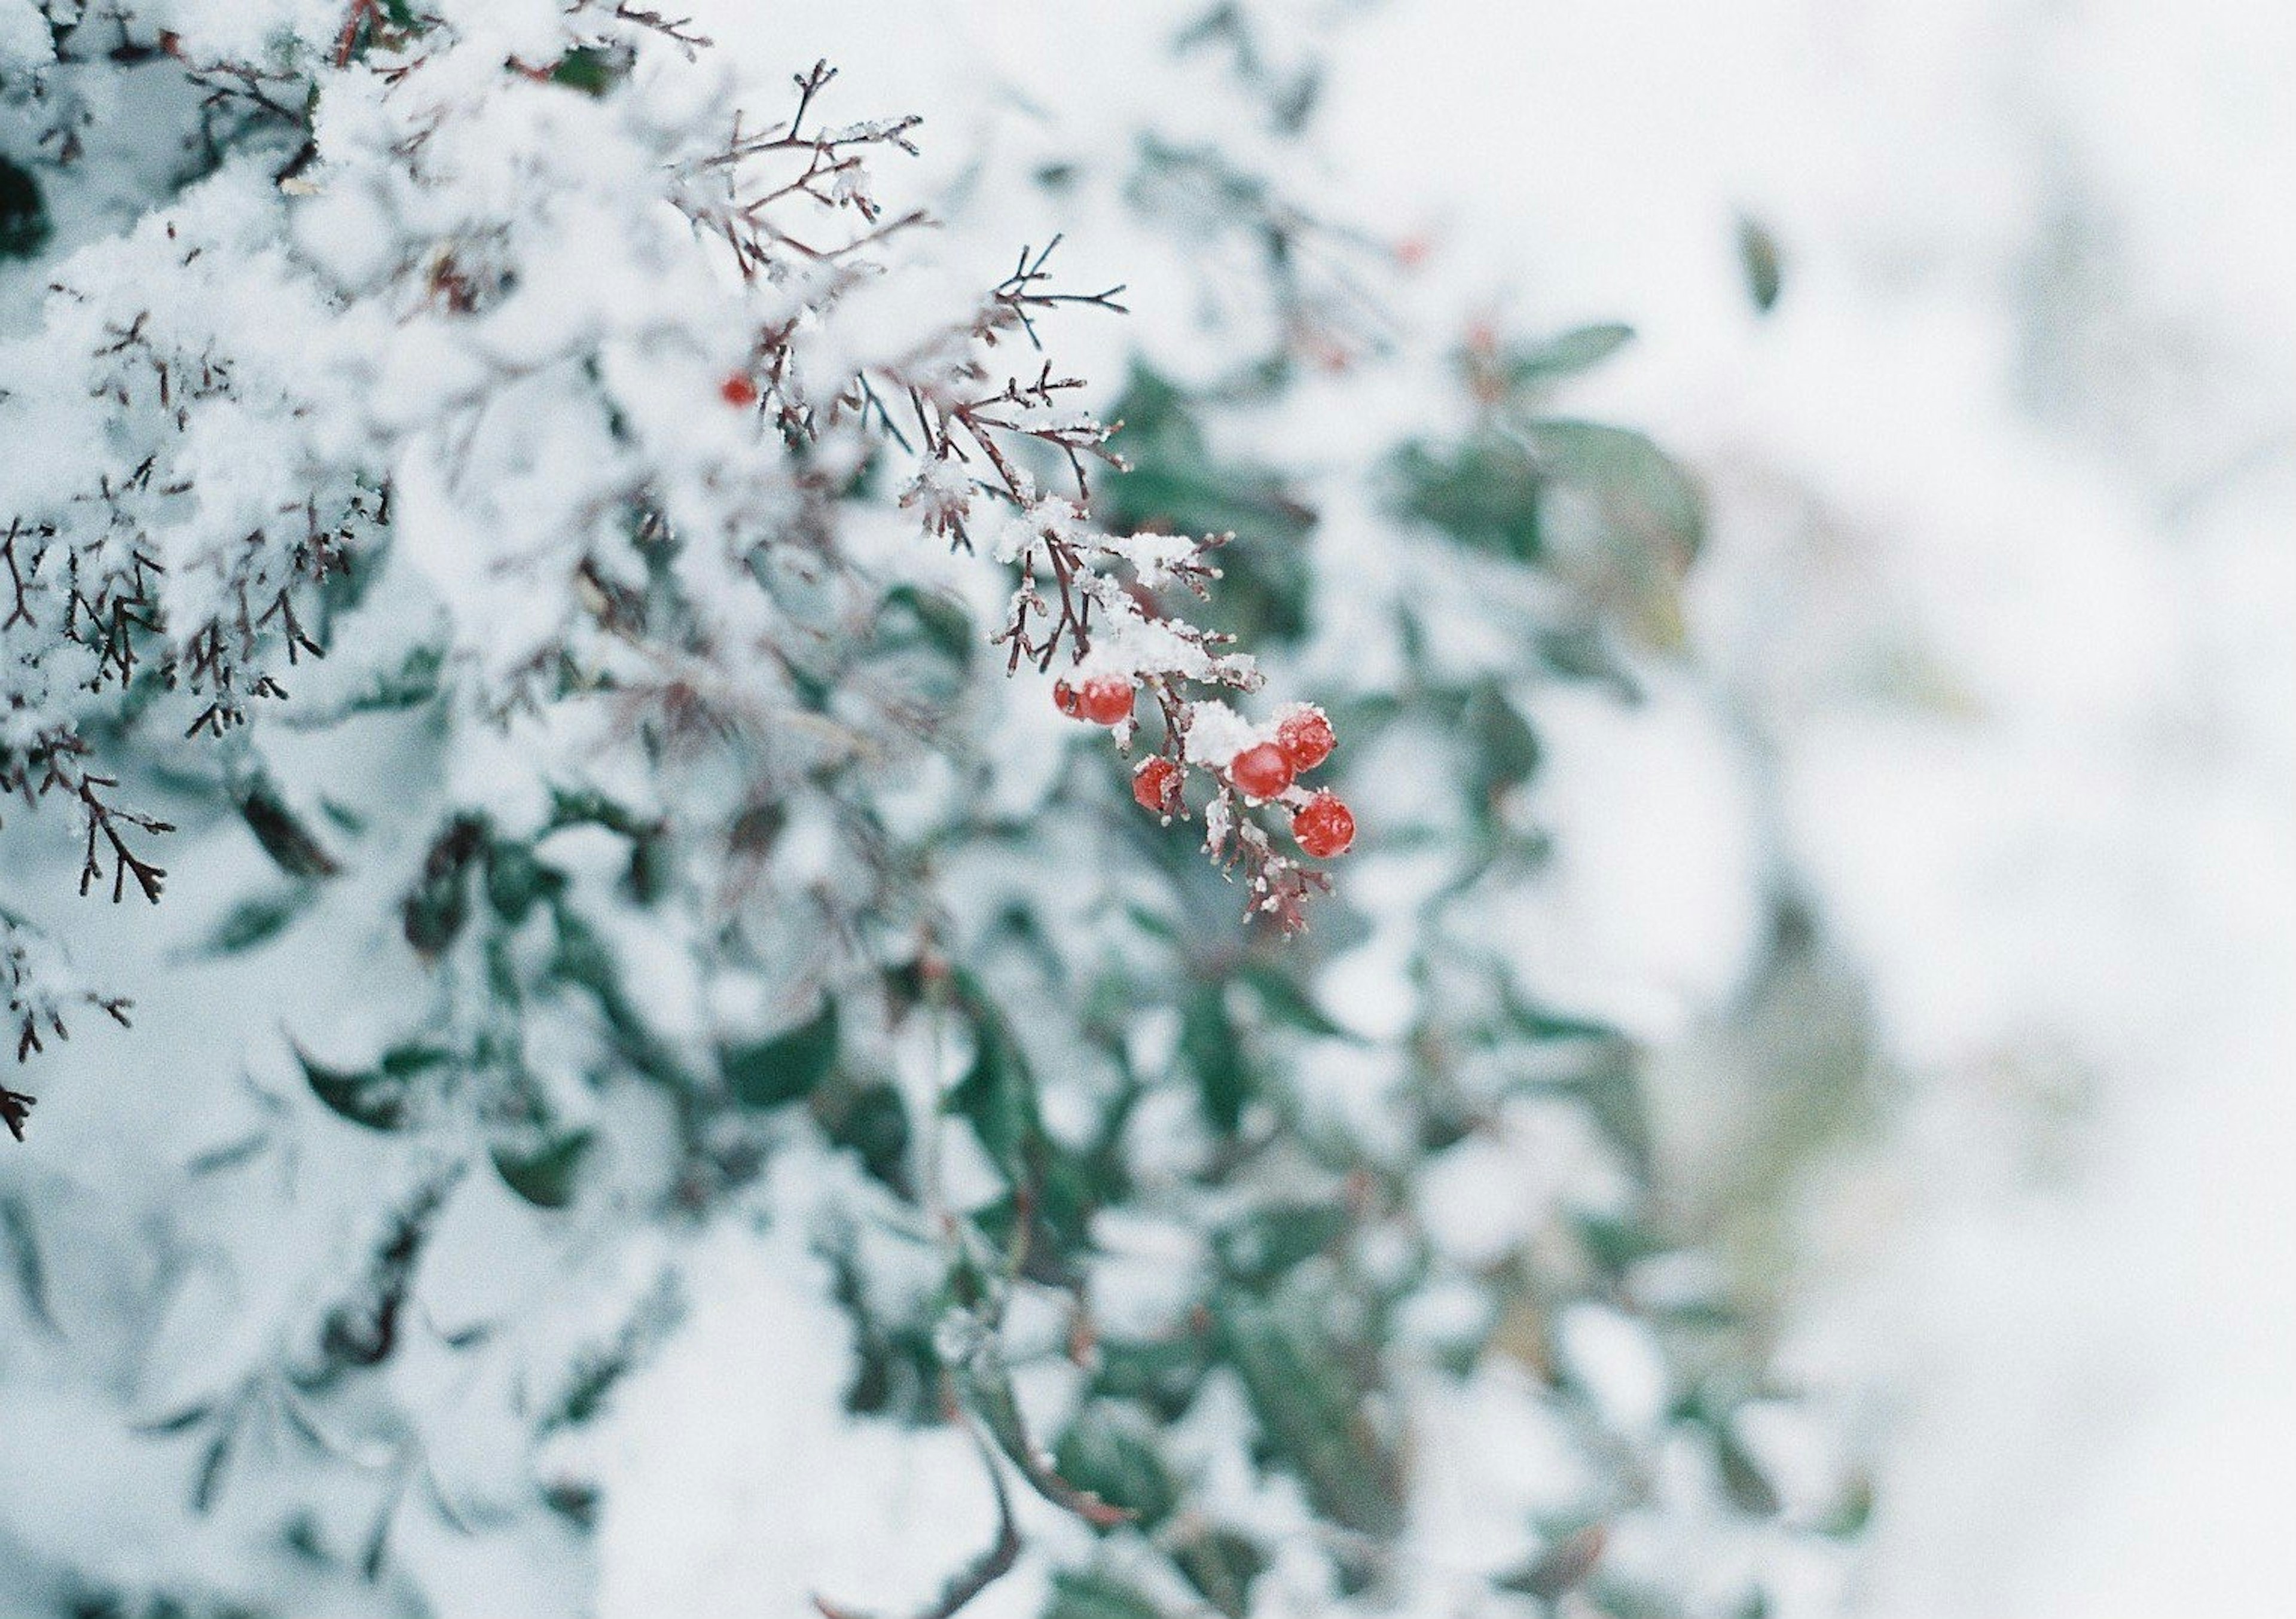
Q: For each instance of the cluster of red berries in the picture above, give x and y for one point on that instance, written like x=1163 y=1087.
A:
x=1321 y=823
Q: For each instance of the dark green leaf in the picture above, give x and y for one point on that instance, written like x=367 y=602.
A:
x=286 y=839
x=1312 y=1413
x=1286 y=1002
x=1259 y=1247
x=1485 y=494
x=1222 y=1564
x=378 y=1097
x=786 y=1067
x=1080 y=1593
x=545 y=1175
x=1504 y=750
x=997 y=1095
x=872 y=1123
x=1761 y=262
x=1749 y=1488
x=1111 y=1451
x=1225 y=1080
x=931 y=617
x=24 y=226
x=258 y=921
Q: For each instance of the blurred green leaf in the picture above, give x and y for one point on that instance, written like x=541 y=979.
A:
x=290 y=844
x=1080 y=1593
x=1485 y=494
x=1566 y=354
x=1311 y=1413
x=258 y=919
x=1761 y=262
x=1111 y=1451
x=377 y=1097
x=1643 y=495
x=1222 y=1564
x=1225 y=1080
x=785 y=1068
x=24 y=227
x=545 y=1175
x=1257 y=1248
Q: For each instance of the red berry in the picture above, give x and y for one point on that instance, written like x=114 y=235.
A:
x=1156 y=785
x=1325 y=827
x=1065 y=699
x=738 y=391
x=1306 y=738
x=1107 y=699
x=1260 y=771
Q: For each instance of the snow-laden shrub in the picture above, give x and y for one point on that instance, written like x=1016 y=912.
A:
x=662 y=1082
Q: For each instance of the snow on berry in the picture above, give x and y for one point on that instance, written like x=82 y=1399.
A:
x=1156 y=786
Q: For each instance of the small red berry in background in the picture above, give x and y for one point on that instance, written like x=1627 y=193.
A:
x=1306 y=738
x=1107 y=699
x=1065 y=699
x=1260 y=771
x=738 y=391
x=1325 y=827
x=1156 y=785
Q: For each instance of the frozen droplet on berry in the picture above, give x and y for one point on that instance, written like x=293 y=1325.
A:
x=1156 y=785
x=1065 y=699
x=1305 y=736
x=1324 y=826
x=1260 y=771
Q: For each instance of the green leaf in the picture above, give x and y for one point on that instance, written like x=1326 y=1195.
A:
x=24 y=226
x=1225 y=1081
x=1311 y=1412
x=1111 y=1451
x=376 y=1098
x=516 y=880
x=1642 y=497
x=872 y=1123
x=997 y=1095
x=586 y=68
x=1162 y=1374
x=415 y=682
x=258 y=921
x=1257 y=1247
x=931 y=617
x=544 y=1176
x=1080 y=1593
x=1286 y=1002
x=1222 y=1564
x=1485 y=494
x=1562 y=1567
x=1749 y=1488
x=1503 y=748
x=1176 y=484
x=286 y=839
x=1580 y=349
x=1761 y=262
x=434 y=911
x=786 y=1067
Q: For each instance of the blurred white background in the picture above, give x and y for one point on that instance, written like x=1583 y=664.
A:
x=2003 y=585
